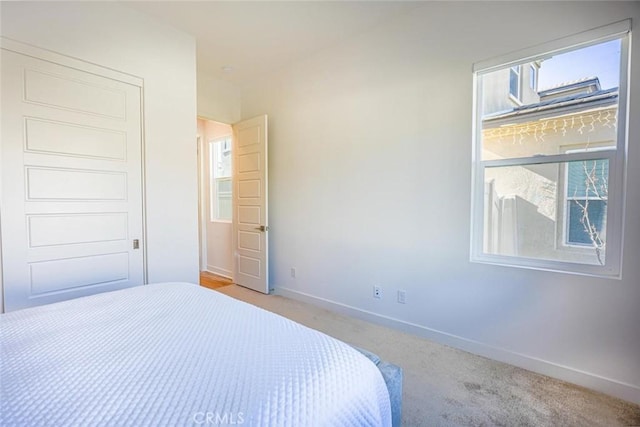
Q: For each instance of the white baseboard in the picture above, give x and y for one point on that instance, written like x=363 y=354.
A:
x=625 y=391
x=219 y=271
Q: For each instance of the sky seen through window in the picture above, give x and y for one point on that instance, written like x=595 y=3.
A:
x=600 y=60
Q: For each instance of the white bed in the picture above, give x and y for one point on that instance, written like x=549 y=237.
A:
x=176 y=354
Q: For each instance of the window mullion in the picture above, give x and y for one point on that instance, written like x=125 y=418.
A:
x=558 y=158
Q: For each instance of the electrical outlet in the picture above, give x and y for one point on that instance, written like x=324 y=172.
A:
x=293 y=272
x=402 y=297
x=377 y=292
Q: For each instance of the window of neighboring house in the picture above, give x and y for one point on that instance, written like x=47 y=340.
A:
x=548 y=176
x=221 y=180
x=586 y=203
x=514 y=81
x=533 y=77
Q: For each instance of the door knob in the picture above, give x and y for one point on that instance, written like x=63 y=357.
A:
x=262 y=228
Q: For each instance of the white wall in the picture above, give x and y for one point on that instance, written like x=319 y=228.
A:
x=116 y=37
x=370 y=180
x=217 y=100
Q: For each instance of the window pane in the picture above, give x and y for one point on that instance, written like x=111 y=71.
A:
x=587 y=219
x=588 y=179
x=223 y=158
x=224 y=207
x=575 y=108
x=524 y=215
x=221 y=184
x=532 y=77
x=223 y=191
x=514 y=82
x=224 y=185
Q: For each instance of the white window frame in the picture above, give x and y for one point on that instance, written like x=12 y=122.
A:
x=617 y=157
x=533 y=77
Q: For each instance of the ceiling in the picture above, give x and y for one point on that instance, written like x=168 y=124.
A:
x=255 y=38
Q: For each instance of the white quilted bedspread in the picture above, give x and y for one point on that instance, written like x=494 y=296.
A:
x=175 y=354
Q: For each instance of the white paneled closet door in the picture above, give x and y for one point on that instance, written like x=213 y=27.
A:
x=72 y=218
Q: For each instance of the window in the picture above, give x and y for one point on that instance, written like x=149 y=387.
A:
x=586 y=203
x=514 y=81
x=221 y=181
x=533 y=77
x=548 y=175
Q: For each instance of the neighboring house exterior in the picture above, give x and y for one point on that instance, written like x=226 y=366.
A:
x=508 y=88
x=553 y=210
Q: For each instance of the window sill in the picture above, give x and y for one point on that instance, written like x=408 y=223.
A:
x=516 y=100
x=589 y=270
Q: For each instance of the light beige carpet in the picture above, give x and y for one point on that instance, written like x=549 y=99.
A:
x=444 y=386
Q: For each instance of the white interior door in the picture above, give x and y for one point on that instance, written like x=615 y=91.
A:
x=250 y=225
x=71 y=182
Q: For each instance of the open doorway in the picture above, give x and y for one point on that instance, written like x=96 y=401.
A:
x=234 y=223
x=215 y=182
